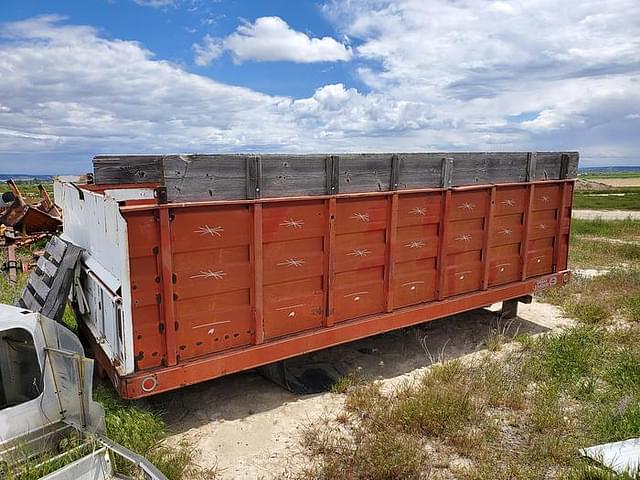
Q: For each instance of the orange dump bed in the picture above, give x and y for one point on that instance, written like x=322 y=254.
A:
x=222 y=286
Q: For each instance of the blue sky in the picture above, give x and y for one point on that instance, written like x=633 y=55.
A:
x=164 y=76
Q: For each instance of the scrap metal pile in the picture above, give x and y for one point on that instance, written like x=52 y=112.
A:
x=23 y=223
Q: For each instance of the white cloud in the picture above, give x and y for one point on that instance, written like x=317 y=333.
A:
x=157 y=3
x=272 y=39
x=440 y=75
x=208 y=51
x=475 y=64
x=68 y=94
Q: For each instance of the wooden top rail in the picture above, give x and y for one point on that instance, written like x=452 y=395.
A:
x=198 y=177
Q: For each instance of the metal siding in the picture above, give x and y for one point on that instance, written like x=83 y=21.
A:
x=243 y=273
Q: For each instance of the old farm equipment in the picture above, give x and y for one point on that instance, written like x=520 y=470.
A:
x=196 y=266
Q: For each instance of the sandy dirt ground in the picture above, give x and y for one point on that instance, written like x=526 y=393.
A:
x=606 y=214
x=250 y=428
x=620 y=182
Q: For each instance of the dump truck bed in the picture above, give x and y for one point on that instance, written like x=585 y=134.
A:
x=181 y=287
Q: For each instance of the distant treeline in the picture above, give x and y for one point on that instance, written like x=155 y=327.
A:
x=26 y=178
x=609 y=169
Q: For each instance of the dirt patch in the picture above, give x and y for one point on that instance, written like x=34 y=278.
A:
x=250 y=428
x=593 y=238
x=605 y=214
x=587 y=185
x=620 y=182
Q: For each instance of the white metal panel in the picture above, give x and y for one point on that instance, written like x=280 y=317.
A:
x=95 y=466
x=45 y=410
x=120 y=194
x=93 y=221
x=621 y=457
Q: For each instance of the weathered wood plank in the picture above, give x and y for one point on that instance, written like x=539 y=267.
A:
x=55 y=249
x=419 y=170
x=205 y=177
x=46 y=267
x=549 y=165
x=12 y=264
x=288 y=175
x=487 y=168
x=127 y=169
x=39 y=287
x=28 y=301
x=240 y=176
x=54 y=305
x=365 y=172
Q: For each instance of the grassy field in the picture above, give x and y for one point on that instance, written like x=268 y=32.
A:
x=29 y=189
x=520 y=411
x=621 y=198
x=606 y=176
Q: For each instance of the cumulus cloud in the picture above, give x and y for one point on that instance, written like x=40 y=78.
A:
x=440 y=75
x=68 y=93
x=272 y=39
x=478 y=65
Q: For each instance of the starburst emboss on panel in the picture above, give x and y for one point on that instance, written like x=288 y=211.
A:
x=207 y=230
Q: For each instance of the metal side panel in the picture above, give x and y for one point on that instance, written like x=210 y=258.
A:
x=95 y=466
x=94 y=222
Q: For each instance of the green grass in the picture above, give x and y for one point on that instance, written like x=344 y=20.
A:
x=603 y=199
x=599 y=299
x=589 y=246
x=143 y=431
x=620 y=229
x=26 y=467
x=517 y=415
x=28 y=189
x=608 y=175
x=346 y=382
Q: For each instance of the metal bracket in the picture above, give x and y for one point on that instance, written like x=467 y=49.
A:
x=564 y=166
x=532 y=158
x=395 y=171
x=332 y=171
x=447 y=173
x=254 y=177
x=161 y=195
x=150 y=470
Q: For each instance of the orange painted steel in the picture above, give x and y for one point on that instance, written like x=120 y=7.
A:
x=220 y=287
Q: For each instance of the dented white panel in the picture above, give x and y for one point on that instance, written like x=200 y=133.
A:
x=93 y=221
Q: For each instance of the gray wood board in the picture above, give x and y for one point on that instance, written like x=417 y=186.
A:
x=46 y=267
x=28 y=301
x=548 y=165
x=127 y=169
x=289 y=175
x=227 y=176
x=49 y=297
x=54 y=305
x=205 y=177
x=55 y=249
x=38 y=286
x=364 y=172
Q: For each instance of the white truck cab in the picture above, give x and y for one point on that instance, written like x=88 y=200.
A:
x=46 y=396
